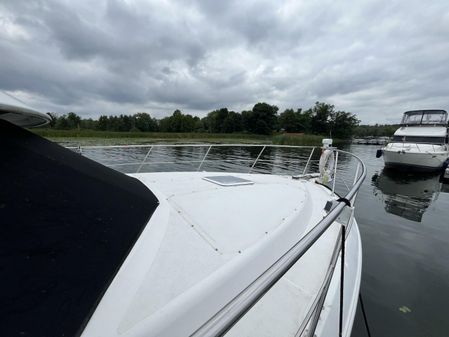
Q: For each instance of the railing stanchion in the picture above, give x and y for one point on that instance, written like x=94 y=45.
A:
x=342 y=279
x=308 y=161
x=144 y=160
x=255 y=162
x=335 y=172
x=204 y=158
x=356 y=173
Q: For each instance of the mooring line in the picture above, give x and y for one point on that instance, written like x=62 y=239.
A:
x=364 y=315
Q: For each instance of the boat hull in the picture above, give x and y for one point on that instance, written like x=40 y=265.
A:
x=417 y=161
x=329 y=319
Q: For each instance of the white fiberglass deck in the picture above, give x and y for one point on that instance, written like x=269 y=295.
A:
x=206 y=243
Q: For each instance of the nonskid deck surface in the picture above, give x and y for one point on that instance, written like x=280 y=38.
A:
x=211 y=242
x=230 y=219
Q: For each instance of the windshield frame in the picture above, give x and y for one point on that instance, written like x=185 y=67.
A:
x=420 y=140
x=424 y=117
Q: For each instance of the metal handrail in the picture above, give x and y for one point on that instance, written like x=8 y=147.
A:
x=230 y=313
x=239 y=159
x=186 y=145
x=202 y=161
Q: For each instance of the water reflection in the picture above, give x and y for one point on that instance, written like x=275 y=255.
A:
x=407 y=195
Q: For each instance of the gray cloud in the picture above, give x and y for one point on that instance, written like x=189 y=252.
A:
x=373 y=58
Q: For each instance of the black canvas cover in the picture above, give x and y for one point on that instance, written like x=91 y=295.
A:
x=67 y=224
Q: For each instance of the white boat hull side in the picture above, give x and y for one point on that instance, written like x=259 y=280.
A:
x=329 y=320
x=412 y=159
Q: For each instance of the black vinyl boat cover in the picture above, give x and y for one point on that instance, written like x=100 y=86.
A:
x=67 y=224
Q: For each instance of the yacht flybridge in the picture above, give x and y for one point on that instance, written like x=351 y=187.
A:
x=90 y=251
x=420 y=143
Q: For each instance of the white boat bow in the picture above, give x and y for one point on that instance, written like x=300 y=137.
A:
x=257 y=257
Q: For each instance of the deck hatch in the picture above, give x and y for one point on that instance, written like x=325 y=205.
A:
x=228 y=180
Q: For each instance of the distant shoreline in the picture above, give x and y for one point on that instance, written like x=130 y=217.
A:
x=95 y=137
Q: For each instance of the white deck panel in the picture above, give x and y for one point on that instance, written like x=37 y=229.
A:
x=209 y=225
x=204 y=244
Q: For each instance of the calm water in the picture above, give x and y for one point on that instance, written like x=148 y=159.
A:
x=404 y=224
x=403 y=220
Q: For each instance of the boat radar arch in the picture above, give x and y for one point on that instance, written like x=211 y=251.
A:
x=16 y=112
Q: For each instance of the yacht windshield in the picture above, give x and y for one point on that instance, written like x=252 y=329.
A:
x=425 y=117
x=420 y=139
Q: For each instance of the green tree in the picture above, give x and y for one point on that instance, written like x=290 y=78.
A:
x=305 y=121
x=73 y=120
x=199 y=124
x=263 y=118
x=223 y=121
x=103 y=123
x=216 y=120
x=62 y=123
x=248 y=120
x=144 y=122
x=125 y=123
x=295 y=121
x=375 y=130
x=288 y=121
x=178 y=122
x=88 y=123
x=233 y=122
x=164 y=124
x=187 y=123
x=343 y=124
x=321 y=114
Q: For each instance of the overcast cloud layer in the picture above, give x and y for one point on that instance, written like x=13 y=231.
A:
x=373 y=58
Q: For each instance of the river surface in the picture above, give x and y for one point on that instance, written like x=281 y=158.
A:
x=404 y=224
x=403 y=220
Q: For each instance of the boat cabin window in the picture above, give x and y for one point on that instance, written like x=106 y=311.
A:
x=425 y=117
x=420 y=139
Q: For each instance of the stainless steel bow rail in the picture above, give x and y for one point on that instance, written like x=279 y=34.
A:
x=340 y=211
x=152 y=155
x=200 y=161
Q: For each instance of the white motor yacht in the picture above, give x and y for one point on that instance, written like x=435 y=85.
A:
x=421 y=143
x=89 y=251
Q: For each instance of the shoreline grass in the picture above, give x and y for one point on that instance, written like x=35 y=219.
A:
x=95 y=137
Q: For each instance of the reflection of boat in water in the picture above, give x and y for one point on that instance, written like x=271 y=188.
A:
x=407 y=196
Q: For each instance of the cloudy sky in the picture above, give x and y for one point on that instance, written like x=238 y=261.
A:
x=374 y=58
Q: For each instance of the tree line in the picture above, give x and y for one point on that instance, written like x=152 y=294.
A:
x=263 y=118
x=377 y=130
